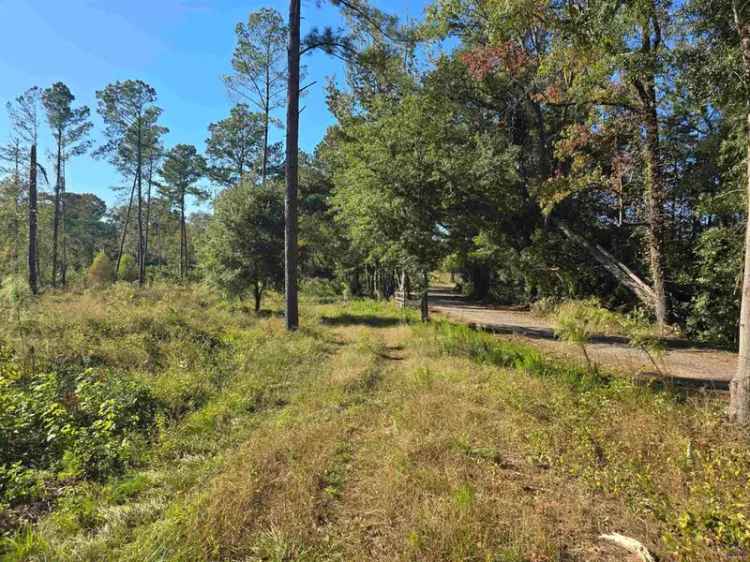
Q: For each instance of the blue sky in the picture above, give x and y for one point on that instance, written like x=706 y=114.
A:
x=181 y=47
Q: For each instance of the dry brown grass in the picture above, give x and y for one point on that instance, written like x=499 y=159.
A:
x=430 y=461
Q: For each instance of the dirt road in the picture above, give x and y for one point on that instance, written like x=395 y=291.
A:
x=683 y=363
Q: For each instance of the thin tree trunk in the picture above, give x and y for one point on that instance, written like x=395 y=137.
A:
x=739 y=388
x=619 y=270
x=33 y=257
x=354 y=283
x=141 y=257
x=64 y=264
x=257 y=293
x=266 y=123
x=17 y=211
x=125 y=229
x=739 y=401
x=404 y=293
x=148 y=207
x=424 y=305
x=56 y=217
x=183 y=241
x=141 y=276
x=158 y=242
x=187 y=252
x=654 y=173
x=292 y=147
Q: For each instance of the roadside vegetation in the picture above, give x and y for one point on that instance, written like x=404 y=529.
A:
x=161 y=399
x=169 y=424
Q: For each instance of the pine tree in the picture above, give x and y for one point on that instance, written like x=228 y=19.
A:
x=132 y=132
x=70 y=127
x=234 y=145
x=260 y=69
x=182 y=168
x=24 y=117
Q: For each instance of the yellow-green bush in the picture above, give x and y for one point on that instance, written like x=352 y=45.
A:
x=101 y=272
x=128 y=270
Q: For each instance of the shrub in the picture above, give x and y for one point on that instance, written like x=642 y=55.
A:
x=322 y=289
x=111 y=416
x=101 y=272
x=577 y=321
x=128 y=271
x=643 y=334
x=15 y=294
x=90 y=425
x=18 y=484
x=714 y=311
x=546 y=306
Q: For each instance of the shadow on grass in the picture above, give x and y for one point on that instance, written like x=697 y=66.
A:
x=360 y=320
x=659 y=381
x=265 y=313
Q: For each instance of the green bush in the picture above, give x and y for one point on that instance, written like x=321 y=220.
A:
x=101 y=272
x=111 y=418
x=18 y=484
x=714 y=311
x=90 y=425
x=324 y=289
x=15 y=291
x=577 y=322
x=128 y=270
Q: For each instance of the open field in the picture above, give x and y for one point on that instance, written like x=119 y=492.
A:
x=364 y=436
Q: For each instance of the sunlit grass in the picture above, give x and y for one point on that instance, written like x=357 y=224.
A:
x=369 y=436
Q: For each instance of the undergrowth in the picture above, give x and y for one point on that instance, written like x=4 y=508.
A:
x=168 y=424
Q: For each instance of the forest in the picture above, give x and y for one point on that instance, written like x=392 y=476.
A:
x=242 y=355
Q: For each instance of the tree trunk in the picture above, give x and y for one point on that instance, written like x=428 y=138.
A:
x=739 y=388
x=57 y=202
x=33 y=257
x=183 y=238
x=424 y=305
x=403 y=289
x=64 y=264
x=64 y=261
x=355 y=288
x=125 y=229
x=655 y=209
x=378 y=283
x=141 y=257
x=266 y=124
x=17 y=209
x=292 y=147
x=158 y=242
x=258 y=294
x=739 y=402
x=619 y=270
x=480 y=280
x=148 y=207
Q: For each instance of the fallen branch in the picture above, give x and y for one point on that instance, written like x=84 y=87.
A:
x=619 y=270
x=631 y=545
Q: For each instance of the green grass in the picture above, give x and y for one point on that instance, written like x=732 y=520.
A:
x=369 y=436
